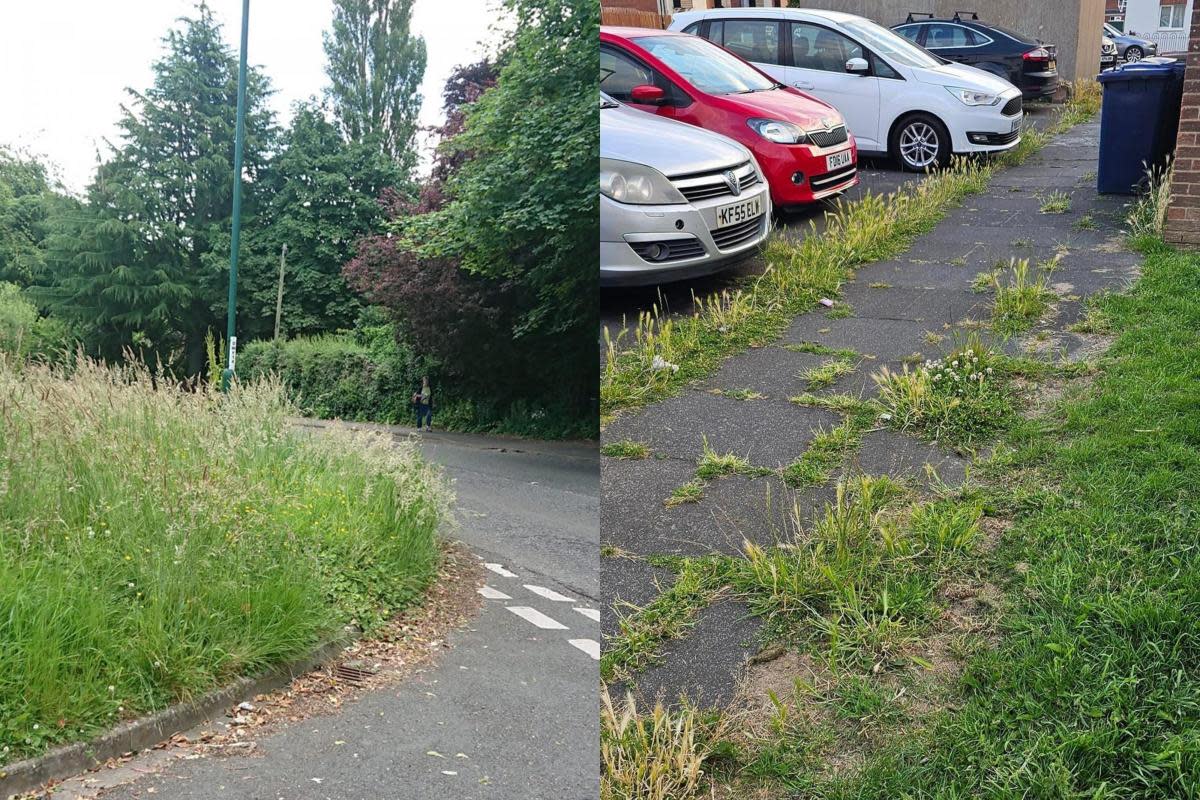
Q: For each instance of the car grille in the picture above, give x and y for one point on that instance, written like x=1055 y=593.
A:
x=707 y=185
x=669 y=250
x=831 y=179
x=824 y=138
x=734 y=235
x=1012 y=107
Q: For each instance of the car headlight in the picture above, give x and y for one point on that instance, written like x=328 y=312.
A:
x=777 y=130
x=971 y=97
x=638 y=184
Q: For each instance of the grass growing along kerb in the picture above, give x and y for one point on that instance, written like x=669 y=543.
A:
x=659 y=354
x=157 y=541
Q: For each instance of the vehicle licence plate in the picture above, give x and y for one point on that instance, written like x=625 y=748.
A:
x=734 y=213
x=1016 y=125
x=836 y=160
x=1053 y=65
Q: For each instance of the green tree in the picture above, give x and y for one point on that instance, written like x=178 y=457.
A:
x=523 y=204
x=375 y=65
x=146 y=265
x=323 y=196
x=28 y=201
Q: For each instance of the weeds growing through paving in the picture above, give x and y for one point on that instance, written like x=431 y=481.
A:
x=960 y=399
x=1020 y=299
x=658 y=354
x=626 y=449
x=157 y=541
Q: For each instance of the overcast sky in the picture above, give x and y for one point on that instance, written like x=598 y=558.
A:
x=64 y=64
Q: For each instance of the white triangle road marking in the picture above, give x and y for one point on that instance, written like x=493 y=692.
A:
x=549 y=594
x=500 y=570
x=590 y=613
x=535 y=617
x=492 y=594
x=589 y=646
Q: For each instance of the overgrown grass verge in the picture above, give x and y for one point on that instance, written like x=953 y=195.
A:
x=157 y=541
x=1094 y=691
x=660 y=353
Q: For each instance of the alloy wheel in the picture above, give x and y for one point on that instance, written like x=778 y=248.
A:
x=919 y=145
x=1134 y=53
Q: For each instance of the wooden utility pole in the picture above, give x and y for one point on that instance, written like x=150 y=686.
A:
x=279 y=293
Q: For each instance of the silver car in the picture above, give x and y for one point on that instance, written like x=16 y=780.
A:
x=676 y=201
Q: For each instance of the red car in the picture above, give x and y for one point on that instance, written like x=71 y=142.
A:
x=801 y=143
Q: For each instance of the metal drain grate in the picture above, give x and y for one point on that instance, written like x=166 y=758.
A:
x=354 y=673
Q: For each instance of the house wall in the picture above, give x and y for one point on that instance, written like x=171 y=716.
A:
x=1183 y=211
x=1141 y=18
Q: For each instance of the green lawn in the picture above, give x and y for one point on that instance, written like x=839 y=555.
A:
x=156 y=542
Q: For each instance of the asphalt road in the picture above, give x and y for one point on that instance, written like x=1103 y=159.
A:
x=516 y=693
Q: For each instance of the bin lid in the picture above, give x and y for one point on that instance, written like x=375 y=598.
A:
x=1147 y=68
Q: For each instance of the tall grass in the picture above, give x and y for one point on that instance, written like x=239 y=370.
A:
x=658 y=354
x=156 y=541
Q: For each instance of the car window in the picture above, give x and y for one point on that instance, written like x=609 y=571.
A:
x=693 y=29
x=620 y=72
x=752 y=39
x=815 y=47
x=889 y=44
x=882 y=69
x=705 y=65
x=939 y=35
x=910 y=32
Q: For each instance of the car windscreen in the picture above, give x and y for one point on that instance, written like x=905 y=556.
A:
x=705 y=65
x=890 y=45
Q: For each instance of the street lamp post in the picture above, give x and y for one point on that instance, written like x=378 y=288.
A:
x=239 y=136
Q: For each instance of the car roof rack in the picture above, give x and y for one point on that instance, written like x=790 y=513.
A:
x=958 y=15
x=911 y=14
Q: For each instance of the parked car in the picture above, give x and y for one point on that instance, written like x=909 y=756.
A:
x=1130 y=48
x=801 y=143
x=897 y=97
x=676 y=201
x=1021 y=60
x=1108 y=53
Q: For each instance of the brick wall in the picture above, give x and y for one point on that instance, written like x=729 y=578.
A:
x=1183 y=212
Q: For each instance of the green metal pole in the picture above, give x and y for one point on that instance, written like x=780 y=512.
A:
x=239 y=137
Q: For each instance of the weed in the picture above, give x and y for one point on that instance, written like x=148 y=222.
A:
x=958 y=261
x=1085 y=223
x=642 y=630
x=690 y=492
x=1021 y=300
x=1055 y=203
x=821 y=350
x=827 y=373
x=657 y=756
x=957 y=398
x=625 y=449
x=879 y=285
x=840 y=311
x=826 y=450
x=1149 y=213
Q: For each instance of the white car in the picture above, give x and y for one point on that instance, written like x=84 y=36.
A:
x=676 y=201
x=896 y=97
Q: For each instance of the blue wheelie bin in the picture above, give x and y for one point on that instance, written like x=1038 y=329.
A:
x=1138 y=122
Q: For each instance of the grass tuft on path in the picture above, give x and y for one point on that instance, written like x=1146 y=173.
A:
x=157 y=541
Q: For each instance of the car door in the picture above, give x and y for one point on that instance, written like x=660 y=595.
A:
x=954 y=42
x=817 y=58
x=620 y=71
x=758 y=40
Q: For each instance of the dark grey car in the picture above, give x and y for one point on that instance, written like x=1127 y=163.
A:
x=1130 y=48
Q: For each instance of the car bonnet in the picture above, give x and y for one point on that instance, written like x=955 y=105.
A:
x=672 y=148
x=964 y=77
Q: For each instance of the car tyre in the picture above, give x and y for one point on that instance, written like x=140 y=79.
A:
x=920 y=143
x=1134 y=53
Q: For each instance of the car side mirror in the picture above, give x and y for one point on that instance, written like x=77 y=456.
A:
x=647 y=95
x=858 y=66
